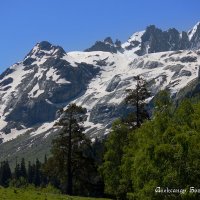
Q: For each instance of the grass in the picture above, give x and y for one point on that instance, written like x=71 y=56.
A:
x=31 y=194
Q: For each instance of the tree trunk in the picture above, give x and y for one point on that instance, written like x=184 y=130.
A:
x=69 y=161
x=137 y=104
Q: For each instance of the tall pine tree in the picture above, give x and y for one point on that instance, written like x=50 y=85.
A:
x=30 y=173
x=5 y=174
x=71 y=158
x=137 y=99
x=37 y=173
x=23 y=172
x=17 y=172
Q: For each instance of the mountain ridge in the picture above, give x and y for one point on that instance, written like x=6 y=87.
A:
x=145 y=41
x=31 y=91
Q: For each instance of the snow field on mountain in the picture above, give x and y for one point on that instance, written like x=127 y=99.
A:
x=169 y=69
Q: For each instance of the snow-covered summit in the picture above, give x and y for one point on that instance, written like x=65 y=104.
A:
x=193 y=30
x=45 y=48
x=136 y=37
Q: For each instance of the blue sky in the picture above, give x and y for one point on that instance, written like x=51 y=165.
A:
x=77 y=24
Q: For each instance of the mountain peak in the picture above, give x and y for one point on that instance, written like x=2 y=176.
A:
x=106 y=45
x=44 y=45
x=45 y=48
x=137 y=36
x=108 y=40
x=192 y=31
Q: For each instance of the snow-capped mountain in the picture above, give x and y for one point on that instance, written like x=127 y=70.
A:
x=194 y=36
x=48 y=78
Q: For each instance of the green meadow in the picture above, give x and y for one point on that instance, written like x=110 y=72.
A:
x=34 y=194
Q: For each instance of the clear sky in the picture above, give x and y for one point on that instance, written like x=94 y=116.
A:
x=77 y=24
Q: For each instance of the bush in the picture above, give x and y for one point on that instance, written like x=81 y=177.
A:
x=18 y=183
x=51 y=189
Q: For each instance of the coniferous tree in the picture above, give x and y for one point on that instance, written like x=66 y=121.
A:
x=30 y=173
x=37 y=173
x=5 y=174
x=17 y=171
x=136 y=98
x=52 y=170
x=45 y=159
x=44 y=179
x=71 y=128
x=98 y=150
x=23 y=172
x=72 y=159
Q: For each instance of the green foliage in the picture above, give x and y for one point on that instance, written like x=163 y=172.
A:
x=115 y=174
x=21 y=182
x=33 y=175
x=51 y=189
x=163 y=152
x=166 y=150
x=110 y=169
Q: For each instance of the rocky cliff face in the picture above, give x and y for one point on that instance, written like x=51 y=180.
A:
x=48 y=78
x=107 y=45
x=156 y=40
x=194 y=36
x=32 y=91
x=153 y=40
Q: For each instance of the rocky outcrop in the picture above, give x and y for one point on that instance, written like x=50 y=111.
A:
x=153 y=40
x=113 y=83
x=194 y=35
x=107 y=45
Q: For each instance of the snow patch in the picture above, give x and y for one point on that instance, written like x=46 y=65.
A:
x=43 y=128
x=52 y=74
x=13 y=134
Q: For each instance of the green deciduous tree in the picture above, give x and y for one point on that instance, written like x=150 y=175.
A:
x=165 y=151
x=114 y=150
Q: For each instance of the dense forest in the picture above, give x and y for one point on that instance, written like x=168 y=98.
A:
x=140 y=154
